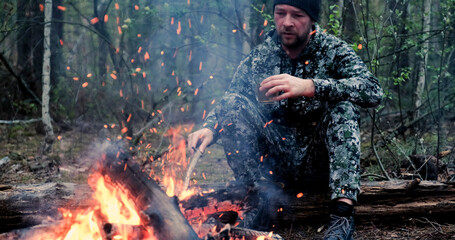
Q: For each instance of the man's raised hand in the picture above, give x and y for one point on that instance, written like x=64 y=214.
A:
x=289 y=87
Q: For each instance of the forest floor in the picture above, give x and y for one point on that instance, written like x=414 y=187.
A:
x=71 y=160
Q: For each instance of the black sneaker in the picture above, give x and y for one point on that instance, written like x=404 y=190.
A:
x=340 y=228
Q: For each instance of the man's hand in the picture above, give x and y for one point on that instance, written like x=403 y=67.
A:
x=202 y=137
x=290 y=87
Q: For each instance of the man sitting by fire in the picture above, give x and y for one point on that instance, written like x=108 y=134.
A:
x=307 y=135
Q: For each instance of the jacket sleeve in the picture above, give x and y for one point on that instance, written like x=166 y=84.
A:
x=349 y=79
x=241 y=84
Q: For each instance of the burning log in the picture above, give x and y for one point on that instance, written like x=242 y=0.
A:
x=57 y=229
x=160 y=211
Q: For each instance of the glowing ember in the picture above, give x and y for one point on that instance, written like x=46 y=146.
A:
x=94 y=20
x=61 y=8
x=179 y=28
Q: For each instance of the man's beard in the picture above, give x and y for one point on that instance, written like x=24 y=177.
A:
x=297 y=42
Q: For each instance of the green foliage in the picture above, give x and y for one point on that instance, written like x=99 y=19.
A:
x=402 y=77
x=27 y=107
x=267 y=17
x=334 y=23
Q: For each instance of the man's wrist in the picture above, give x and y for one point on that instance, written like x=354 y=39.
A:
x=311 y=88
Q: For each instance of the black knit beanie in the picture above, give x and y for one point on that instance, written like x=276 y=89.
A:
x=311 y=7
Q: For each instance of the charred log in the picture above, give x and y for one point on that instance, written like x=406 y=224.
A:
x=23 y=206
x=161 y=211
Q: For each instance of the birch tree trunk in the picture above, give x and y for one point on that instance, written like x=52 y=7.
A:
x=49 y=138
x=421 y=74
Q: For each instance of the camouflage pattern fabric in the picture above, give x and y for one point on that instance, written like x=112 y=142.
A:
x=301 y=142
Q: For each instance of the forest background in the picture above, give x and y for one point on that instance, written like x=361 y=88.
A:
x=132 y=70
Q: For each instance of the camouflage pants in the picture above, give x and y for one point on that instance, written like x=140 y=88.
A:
x=320 y=149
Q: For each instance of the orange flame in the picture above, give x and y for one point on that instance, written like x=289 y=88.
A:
x=113 y=205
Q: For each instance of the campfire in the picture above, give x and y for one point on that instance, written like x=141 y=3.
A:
x=129 y=202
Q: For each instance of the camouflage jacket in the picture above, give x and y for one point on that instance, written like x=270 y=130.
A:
x=338 y=74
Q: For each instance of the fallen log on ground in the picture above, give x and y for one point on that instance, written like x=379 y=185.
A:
x=385 y=202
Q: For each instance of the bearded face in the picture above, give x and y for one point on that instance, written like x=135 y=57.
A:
x=293 y=25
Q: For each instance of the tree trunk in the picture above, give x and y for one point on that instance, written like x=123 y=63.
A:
x=29 y=49
x=421 y=75
x=49 y=138
x=341 y=9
